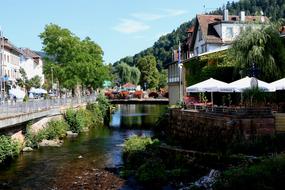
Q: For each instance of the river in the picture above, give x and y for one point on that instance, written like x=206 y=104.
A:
x=98 y=149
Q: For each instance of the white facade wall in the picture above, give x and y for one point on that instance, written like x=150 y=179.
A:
x=11 y=65
x=32 y=68
x=198 y=43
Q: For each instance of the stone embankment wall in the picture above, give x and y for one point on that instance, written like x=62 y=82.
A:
x=203 y=129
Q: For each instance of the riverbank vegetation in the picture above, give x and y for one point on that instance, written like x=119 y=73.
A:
x=152 y=167
x=9 y=148
x=267 y=174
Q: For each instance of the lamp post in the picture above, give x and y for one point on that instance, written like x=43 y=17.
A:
x=180 y=73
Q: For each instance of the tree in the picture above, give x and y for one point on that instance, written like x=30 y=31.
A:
x=71 y=61
x=162 y=79
x=264 y=48
x=135 y=75
x=123 y=72
x=149 y=72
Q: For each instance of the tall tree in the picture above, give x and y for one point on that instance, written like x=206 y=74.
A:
x=72 y=61
x=135 y=75
x=149 y=72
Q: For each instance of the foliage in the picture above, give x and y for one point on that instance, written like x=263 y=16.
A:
x=77 y=120
x=96 y=113
x=264 y=48
x=268 y=174
x=151 y=171
x=162 y=79
x=103 y=104
x=149 y=72
x=136 y=144
x=24 y=82
x=72 y=61
x=125 y=73
x=254 y=96
x=8 y=148
x=55 y=129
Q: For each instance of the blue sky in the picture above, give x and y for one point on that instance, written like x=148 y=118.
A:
x=120 y=27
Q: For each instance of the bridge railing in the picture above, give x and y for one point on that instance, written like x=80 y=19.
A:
x=16 y=108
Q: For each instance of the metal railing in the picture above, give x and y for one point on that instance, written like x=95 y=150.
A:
x=248 y=111
x=16 y=108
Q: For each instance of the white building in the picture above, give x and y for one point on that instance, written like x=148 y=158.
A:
x=217 y=32
x=32 y=63
x=9 y=61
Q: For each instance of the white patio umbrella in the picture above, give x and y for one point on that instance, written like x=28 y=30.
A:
x=210 y=85
x=279 y=84
x=17 y=92
x=248 y=82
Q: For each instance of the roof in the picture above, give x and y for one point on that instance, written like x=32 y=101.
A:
x=207 y=22
x=129 y=85
x=191 y=30
x=10 y=46
x=29 y=53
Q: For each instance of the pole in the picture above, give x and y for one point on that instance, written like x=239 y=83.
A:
x=180 y=73
x=1 y=61
x=51 y=69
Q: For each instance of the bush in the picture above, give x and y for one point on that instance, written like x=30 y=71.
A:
x=96 y=113
x=55 y=129
x=138 y=94
x=268 y=174
x=153 y=94
x=152 y=171
x=8 y=148
x=137 y=144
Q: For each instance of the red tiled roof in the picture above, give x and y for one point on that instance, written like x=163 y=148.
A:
x=129 y=85
x=207 y=23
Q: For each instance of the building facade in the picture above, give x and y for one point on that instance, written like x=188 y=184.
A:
x=210 y=34
x=10 y=62
x=32 y=63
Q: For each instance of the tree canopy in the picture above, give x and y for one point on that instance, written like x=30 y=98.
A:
x=125 y=74
x=262 y=47
x=149 y=72
x=72 y=61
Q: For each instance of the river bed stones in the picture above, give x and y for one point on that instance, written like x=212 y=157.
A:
x=51 y=143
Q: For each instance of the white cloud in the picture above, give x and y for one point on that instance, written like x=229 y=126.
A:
x=129 y=26
x=165 y=13
x=174 y=12
x=147 y=16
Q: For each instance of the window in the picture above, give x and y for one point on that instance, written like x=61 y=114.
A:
x=200 y=35
x=204 y=48
x=229 y=32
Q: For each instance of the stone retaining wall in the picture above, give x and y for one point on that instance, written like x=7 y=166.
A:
x=202 y=129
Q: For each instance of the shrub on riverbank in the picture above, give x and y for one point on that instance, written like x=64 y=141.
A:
x=268 y=174
x=55 y=129
x=8 y=148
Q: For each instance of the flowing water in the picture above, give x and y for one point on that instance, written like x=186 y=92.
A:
x=98 y=148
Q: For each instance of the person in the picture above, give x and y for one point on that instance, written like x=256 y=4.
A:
x=15 y=99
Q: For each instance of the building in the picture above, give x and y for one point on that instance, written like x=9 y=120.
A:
x=10 y=62
x=217 y=32
x=32 y=63
x=211 y=33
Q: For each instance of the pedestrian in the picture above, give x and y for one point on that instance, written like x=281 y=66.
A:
x=15 y=99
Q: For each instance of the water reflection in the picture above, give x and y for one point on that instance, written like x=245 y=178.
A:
x=137 y=116
x=99 y=148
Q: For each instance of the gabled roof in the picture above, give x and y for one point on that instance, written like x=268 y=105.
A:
x=10 y=46
x=129 y=85
x=207 y=23
x=29 y=53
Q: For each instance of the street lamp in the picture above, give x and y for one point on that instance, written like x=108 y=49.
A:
x=51 y=69
x=180 y=73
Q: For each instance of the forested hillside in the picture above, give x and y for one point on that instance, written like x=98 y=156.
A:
x=162 y=49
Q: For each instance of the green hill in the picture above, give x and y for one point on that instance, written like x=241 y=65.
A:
x=162 y=49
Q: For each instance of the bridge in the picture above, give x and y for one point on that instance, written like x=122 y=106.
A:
x=12 y=114
x=140 y=101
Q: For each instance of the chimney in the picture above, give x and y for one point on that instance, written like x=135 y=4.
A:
x=242 y=16
x=226 y=15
